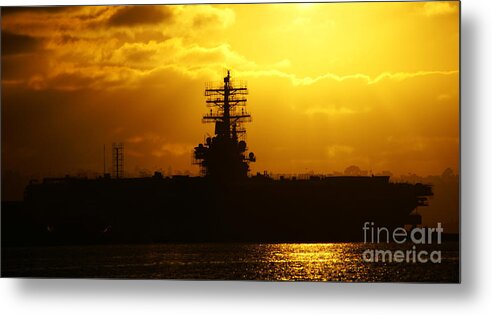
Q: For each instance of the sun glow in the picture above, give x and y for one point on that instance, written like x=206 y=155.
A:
x=379 y=80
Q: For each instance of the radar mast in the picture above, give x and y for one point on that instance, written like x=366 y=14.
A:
x=223 y=156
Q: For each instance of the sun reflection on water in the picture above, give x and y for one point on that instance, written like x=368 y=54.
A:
x=321 y=262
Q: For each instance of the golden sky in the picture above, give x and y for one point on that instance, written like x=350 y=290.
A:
x=331 y=85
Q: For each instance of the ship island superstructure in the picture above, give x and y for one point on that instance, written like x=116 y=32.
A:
x=224 y=155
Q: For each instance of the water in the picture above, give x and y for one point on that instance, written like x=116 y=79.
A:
x=291 y=262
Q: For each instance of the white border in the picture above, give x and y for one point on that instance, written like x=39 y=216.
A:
x=109 y=2
x=190 y=297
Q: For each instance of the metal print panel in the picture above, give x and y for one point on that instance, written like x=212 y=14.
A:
x=300 y=141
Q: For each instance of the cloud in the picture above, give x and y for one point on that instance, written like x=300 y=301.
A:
x=307 y=80
x=334 y=110
x=89 y=54
x=173 y=149
x=135 y=139
x=399 y=76
x=44 y=9
x=338 y=150
x=103 y=63
x=140 y=15
x=15 y=44
x=436 y=8
x=443 y=97
x=204 y=16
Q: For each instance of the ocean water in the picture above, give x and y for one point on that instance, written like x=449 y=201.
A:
x=290 y=262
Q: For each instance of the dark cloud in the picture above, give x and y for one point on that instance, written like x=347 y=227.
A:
x=68 y=39
x=48 y=9
x=71 y=81
x=140 y=15
x=24 y=66
x=204 y=19
x=15 y=44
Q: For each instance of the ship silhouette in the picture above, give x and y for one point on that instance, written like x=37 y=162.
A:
x=225 y=204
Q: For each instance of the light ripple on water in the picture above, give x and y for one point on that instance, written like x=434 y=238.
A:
x=291 y=262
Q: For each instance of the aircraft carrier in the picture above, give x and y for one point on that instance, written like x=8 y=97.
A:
x=225 y=204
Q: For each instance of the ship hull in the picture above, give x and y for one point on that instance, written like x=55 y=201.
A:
x=197 y=209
